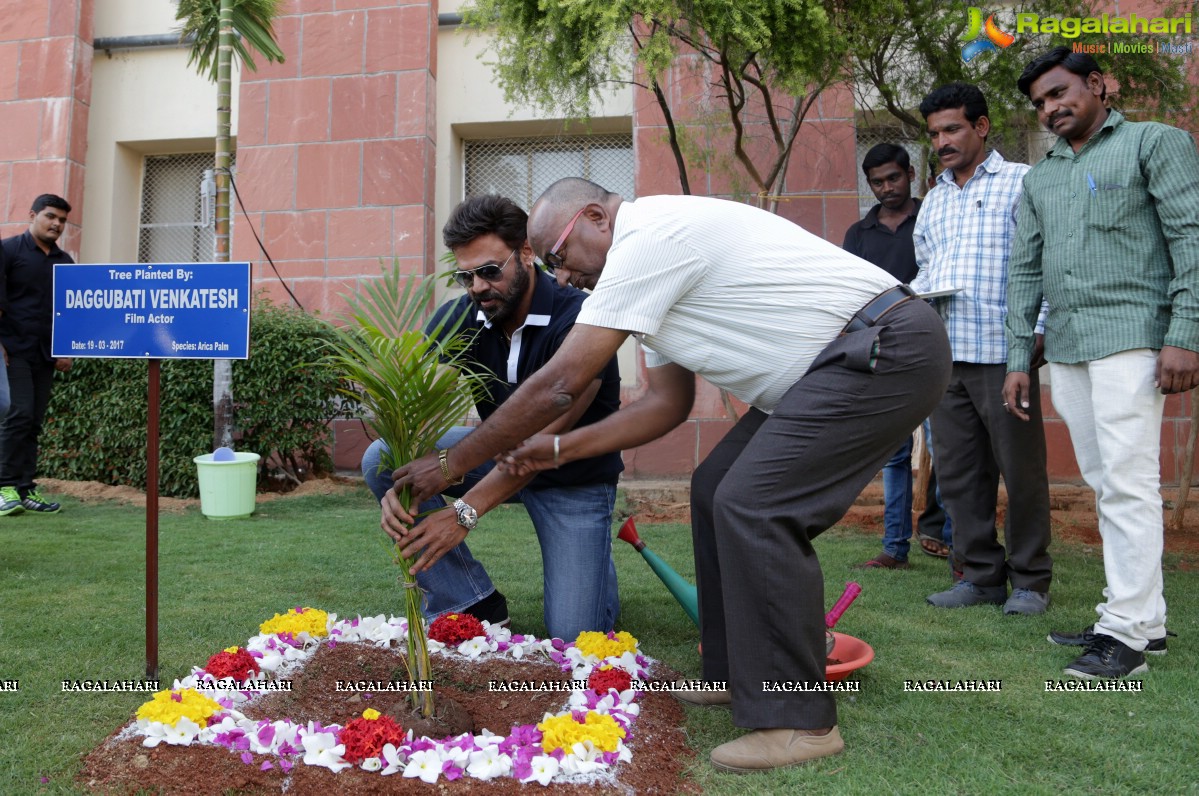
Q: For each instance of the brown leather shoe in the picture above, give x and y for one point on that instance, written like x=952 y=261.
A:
x=762 y=750
x=883 y=561
x=720 y=699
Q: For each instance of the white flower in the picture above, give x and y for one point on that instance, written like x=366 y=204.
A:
x=583 y=759
x=322 y=749
x=392 y=756
x=473 y=648
x=544 y=769
x=425 y=764
x=182 y=734
x=372 y=764
x=488 y=763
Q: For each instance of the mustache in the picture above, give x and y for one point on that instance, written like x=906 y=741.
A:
x=946 y=150
x=1057 y=117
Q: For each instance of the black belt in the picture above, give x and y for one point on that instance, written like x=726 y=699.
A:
x=877 y=307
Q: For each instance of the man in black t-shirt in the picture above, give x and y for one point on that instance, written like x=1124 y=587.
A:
x=520 y=316
x=884 y=237
x=27 y=302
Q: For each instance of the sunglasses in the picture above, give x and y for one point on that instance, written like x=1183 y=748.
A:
x=553 y=258
x=489 y=272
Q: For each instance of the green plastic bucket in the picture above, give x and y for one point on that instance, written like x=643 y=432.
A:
x=227 y=488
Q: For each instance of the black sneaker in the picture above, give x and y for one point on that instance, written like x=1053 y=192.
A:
x=33 y=501
x=1156 y=646
x=493 y=608
x=1106 y=658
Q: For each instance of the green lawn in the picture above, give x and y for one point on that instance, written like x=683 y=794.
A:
x=72 y=606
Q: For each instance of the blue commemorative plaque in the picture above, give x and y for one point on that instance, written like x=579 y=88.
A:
x=152 y=311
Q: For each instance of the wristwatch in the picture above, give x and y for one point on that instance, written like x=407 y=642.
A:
x=468 y=518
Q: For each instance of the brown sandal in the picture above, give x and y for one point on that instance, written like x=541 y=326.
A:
x=934 y=547
x=883 y=561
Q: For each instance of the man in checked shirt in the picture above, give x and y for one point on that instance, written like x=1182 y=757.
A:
x=963 y=237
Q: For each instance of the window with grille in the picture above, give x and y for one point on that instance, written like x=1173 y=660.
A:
x=174 y=226
x=521 y=168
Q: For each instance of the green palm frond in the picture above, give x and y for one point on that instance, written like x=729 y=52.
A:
x=414 y=389
x=252 y=19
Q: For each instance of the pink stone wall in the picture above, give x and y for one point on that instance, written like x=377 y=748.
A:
x=45 y=94
x=335 y=149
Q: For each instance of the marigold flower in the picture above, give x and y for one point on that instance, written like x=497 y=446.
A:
x=605 y=645
x=169 y=707
x=312 y=621
x=563 y=732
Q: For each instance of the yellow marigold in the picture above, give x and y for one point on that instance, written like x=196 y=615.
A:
x=563 y=732
x=312 y=621
x=605 y=645
x=170 y=706
x=370 y=714
x=232 y=650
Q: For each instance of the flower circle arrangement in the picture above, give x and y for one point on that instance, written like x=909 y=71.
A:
x=587 y=736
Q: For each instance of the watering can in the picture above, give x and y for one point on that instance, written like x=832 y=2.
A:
x=683 y=591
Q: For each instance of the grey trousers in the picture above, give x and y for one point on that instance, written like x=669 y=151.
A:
x=777 y=481
x=977 y=441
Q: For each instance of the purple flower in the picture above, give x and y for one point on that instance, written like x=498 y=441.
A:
x=266 y=766
x=266 y=735
x=45 y=780
x=451 y=771
x=247 y=758
x=176 y=696
x=518 y=638
x=422 y=745
x=559 y=644
x=525 y=735
x=579 y=715
x=285 y=765
x=522 y=767
x=331 y=644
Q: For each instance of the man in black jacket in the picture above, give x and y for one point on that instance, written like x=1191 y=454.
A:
x=27 y=299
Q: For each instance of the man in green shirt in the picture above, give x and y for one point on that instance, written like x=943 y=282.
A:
x=1108 y=232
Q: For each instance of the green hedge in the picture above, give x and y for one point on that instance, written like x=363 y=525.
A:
x=95 y=428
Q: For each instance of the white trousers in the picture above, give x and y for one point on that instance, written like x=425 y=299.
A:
x=1114 y=414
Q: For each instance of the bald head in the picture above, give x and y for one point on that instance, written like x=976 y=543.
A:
x=553 y=209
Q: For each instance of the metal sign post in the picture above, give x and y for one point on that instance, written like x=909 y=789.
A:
x=152 y=312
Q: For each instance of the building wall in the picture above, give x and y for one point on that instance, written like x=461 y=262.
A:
x=146 y=101
x=45 y=97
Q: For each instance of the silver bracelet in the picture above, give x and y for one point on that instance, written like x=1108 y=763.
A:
x=557 y=440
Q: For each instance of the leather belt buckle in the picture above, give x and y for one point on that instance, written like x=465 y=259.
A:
x=877 y=307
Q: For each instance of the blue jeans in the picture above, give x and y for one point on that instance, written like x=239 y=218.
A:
x=897 y=503
x=574 y=529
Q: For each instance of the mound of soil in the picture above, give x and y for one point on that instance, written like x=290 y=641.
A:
x=123 y=765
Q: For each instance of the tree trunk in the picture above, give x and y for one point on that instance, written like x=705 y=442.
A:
x=222 y=369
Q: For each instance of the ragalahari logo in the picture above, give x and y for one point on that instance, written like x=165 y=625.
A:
x=983 y=37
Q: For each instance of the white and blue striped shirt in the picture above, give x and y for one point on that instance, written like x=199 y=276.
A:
x=963 y=238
